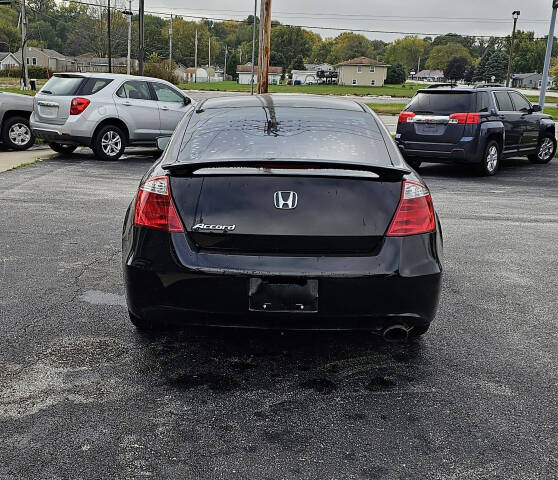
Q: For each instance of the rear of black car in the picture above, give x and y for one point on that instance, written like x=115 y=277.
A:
x=241 y=236
x=443 y=124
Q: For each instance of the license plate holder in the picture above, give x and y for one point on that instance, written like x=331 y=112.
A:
x=288 y=297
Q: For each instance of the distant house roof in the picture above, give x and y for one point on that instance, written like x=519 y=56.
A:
x=248 y=69
x=52 y=53
x=524 y=75
x=430 y=73
x=3 y=55
x=363 y=61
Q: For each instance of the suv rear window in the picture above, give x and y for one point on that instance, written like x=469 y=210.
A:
x=442 y=103
x=62 y=85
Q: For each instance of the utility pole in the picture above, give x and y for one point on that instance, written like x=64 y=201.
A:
x=128 y=57
x=548 y=54
x=418 y=65
x=253 y=48
x=225 y=72
x=515 y=15
x=196 y=58
x=170 y=44
x=240 y=53
x=265 y=46
x=141 y=35
x=24 y=71
x=108 y=33
x=209 y=59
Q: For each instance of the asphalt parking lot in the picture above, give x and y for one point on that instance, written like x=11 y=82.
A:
x=84 y=396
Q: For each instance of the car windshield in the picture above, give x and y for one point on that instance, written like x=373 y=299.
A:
x=441 y=103
x=255 y=133
x=62 y=85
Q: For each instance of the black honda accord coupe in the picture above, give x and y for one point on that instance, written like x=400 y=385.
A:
x=283 y=211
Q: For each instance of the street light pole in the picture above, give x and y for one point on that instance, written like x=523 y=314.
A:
x=515 y=15
x=141 y=35
x=548 y=54
x=128 y=57
x=253 y=48
x=265 y=46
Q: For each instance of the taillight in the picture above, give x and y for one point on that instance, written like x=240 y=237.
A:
x=155 y=208
x=464 y=118
x=415 y=212
x=405 y=116
x=78 y=105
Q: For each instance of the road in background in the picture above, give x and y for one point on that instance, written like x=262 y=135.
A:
x=84 y=396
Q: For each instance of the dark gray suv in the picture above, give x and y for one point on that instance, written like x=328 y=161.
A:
x=477 y=126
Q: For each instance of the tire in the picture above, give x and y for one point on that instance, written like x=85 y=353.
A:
x=62 y=148
x=545 y=150
x=415 y=164
x=16 y=133
x=109 y=143
x=418 y=330
x=141 y=323
x=490 y=160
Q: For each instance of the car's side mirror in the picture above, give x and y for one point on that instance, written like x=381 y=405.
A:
x=187 y=100
x=162 y=142
x=536 y=108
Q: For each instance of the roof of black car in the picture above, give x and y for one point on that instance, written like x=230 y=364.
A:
x=281 y=100
x=461 y=89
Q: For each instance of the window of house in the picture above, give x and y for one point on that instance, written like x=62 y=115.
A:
x=372 y=68
x=359 y=69
x=354 y=81
x=373 y=83
x=34 y=61
x=27 y=60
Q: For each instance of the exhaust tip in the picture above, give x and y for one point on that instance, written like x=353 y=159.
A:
x=396 y=333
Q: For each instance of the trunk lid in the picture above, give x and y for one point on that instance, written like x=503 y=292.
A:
x=53 y=102
x=332 y=215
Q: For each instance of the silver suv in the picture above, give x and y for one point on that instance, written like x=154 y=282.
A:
x=106 y=112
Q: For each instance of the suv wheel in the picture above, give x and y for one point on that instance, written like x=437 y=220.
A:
x=545 y=151
x=16 y=133
x=490 y=160
x=109 y=143
x=62 y=148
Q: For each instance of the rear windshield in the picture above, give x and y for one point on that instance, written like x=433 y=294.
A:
x=442 y=103
x=62 y=85
x=255 y=133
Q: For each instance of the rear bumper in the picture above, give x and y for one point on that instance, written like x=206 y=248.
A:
x=74 y=131
x=467 y=150
x=164 y=281
x=52 y=136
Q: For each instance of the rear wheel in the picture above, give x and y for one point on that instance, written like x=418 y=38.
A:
x=62 y=148
x=545 y=150
x=16 y=133
x=414 y=163
x=490 y=160
x=109 y=143
x=418 y=330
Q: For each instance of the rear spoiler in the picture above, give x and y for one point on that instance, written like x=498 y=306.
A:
x=388 y=172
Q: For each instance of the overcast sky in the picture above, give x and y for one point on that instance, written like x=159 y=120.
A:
x=472 y=17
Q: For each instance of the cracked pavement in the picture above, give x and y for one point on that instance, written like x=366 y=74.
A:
x=84 y=396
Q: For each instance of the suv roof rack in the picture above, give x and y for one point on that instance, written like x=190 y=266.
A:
x=488 y=85
x=438 y=85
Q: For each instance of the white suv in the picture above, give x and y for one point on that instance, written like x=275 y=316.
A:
x=106 y=112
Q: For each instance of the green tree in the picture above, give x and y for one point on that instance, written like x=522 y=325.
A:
x=396 y=74
x=455 y=68
x=406 y=51
x=297 y=63
x=322 y=50
x=442 y=54
x=497 y=66
x=290 y=42
x=232 y=63
x=350 y=45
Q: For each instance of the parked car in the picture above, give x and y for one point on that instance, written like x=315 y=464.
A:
x=15 y=110
x=278 y=211
x=477 y=126
x=106 y=112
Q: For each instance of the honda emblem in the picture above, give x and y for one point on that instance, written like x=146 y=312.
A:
x=285 y=200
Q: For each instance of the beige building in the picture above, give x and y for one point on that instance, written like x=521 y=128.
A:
x=362 y=71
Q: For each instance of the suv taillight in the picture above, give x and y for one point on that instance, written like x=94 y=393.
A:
x=415 y=212
x=405 y=116
x=155 y=208
x=78 y=105
x=464 y=118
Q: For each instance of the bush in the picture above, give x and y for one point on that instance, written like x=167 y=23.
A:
x=159 y=68
x=396 y=74
x=33 y=72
